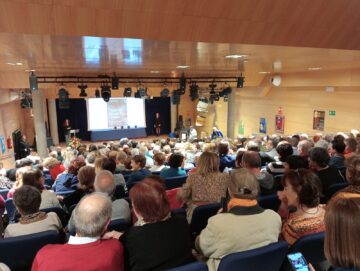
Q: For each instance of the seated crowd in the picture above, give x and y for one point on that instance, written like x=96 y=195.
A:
x=96 y=185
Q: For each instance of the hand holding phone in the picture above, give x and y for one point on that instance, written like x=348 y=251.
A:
x=298 y=262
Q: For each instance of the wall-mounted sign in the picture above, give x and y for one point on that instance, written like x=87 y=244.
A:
x=332 y=113
x=279 y=123
x=2 y=144
x=319 y=120
x=262 y=127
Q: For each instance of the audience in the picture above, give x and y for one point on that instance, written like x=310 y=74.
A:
x=27 y=200
x=350 y=147
x=85 y=251
x=337 y=159
x=295 y=162
x=304 y=147
x=159 y=162
x=35 y=178
x=67 y=181
x=319 y=163
x=244 y=226
x=226 y=160
x=207 y=185
x=54 y=166
x=158 y=241
x=175 y=162
x=300 y=208
x=138 y=163
x=284 y=150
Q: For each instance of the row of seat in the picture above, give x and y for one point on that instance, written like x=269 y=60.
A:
x=270 y=258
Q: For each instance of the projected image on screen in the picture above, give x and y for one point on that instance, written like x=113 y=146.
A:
x=118 y=112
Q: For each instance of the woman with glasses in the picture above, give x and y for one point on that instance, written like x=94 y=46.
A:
x=300 y=208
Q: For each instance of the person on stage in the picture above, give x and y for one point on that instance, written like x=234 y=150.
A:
x=24 y=148
x=67 y=128
x=216 y=133
x=157 y=124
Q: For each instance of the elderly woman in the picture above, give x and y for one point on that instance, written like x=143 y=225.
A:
x=54 y=166
x=67 y=180
x=36 y=179
x=175 y=163
x=27 y=201
x=244 y=226
x=207 y=185
x=300 y=207
x=158 y=241
x=86 y=177
x=159 y=160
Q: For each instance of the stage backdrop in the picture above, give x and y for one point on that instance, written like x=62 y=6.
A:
x=161 y=106
x=78 y=118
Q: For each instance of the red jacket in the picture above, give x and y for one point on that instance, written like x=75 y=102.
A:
x=100 y=255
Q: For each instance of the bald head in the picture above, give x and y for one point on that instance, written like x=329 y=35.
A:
x=105 y=182
x=92 y=215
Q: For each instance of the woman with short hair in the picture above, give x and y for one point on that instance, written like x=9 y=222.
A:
x=207 y=185
x=27 y=201
x=159 y=161
x=300 y=208
x=244 y=226
x=175 y=164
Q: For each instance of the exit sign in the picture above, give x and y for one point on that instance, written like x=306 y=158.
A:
x=332 y=113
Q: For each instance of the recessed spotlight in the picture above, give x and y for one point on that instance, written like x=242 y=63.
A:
x=182 y=67
x=30 y=70
x=10 y=63
x=154 y=71
x=314 y=68
x=264 y=72
x=19 y=64
x=235 y=56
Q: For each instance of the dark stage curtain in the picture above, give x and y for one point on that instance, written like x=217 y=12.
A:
x=77 y=114
x=161 y=106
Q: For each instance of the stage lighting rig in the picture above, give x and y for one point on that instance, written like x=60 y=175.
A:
x=105 y=92
x=212 y=87
x=115 y=82
x=127 y=92
x=194 y=91
x=240 y=82
x=97 y=93
x=182 y=85
x=64 y=102
x=82 y=88
x=33 y=81
x=165 y=92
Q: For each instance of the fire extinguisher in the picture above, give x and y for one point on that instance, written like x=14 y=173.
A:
x=9 y=143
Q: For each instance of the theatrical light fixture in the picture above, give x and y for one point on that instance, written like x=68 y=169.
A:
x=182 y=84
x=182 y=67
x=227 y=91
x=105 y=92
x=64 y=102
x=194 y=91
x=82 y=88
x=33 y=81
x=165 y=92
x=97 y=93
x=176 y=96
x=212 y=87
x=240 y=82
x=127 y=92
x=115 y=82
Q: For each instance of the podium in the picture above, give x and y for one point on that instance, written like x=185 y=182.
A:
x=73 y=132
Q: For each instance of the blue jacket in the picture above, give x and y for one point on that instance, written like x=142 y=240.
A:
x=172 y=172
x=216 y=134
x=227 y=161
x=137 y=176
x=65 y=182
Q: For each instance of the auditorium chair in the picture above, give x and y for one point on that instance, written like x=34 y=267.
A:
x=4 y=192
x=63 y=216
x=198 y=266
x=200 y=217
x=175 y=182
x=19 y=252
x=10 y=209
x=311 y=246
x=269 y=258
x=119 y=225
x=269 y=202
x=64 y=193
x=333 y=189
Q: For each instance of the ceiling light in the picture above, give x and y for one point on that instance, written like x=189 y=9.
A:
x=264 y=72
x=115 y=82
x=314 y=68
x=127 y=92
x=30 y=70
x=33 y=81
x=235 y=56
x=105 y=92
x=97 y=93
x=10 y=63
x=182 y=67
x=82 y=90
x=240 y=82
x=19 y=64
x=154 y=71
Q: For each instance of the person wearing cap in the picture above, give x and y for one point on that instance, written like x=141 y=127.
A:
x=243 y=227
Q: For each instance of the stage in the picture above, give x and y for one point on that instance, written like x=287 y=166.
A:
x=106 y=135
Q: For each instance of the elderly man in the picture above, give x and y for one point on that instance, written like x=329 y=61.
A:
x=91 y=216
x=105 y=183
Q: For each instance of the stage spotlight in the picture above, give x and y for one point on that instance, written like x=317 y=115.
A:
x=106 y=92
x=33 y=81
x=82 y=90
x=127 y=92
x=137 y=94
x=97 y=93
x=182 y=85
x=176 y=96
x=212 y=87
x=165 y=92
x=64 y=102
x=115 y=82
x=216 y=97
x=240 y=82
x=227 y=91
x=226 y=98
x=194 y=91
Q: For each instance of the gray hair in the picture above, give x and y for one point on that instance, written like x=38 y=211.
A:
x=92 y=214
x=322 y=144
x=105 y=187
x=243 y=184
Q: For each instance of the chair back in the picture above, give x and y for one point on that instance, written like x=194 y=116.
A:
x=10 y=209
x=175 y=182
x=64 y=193
x=119 y=192
x=119 y=225
x=269 y=258
x=4 y=192
x=201 y=215
x=333 y=189
x=269 y=202
x=311 y=246
x=198 y=266
x=63 y=216
x=19 y=252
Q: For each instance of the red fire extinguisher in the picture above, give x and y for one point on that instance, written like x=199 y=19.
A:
x=9 y=143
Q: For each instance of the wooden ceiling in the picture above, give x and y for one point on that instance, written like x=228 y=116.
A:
x=305 y=23
x=138 y=37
